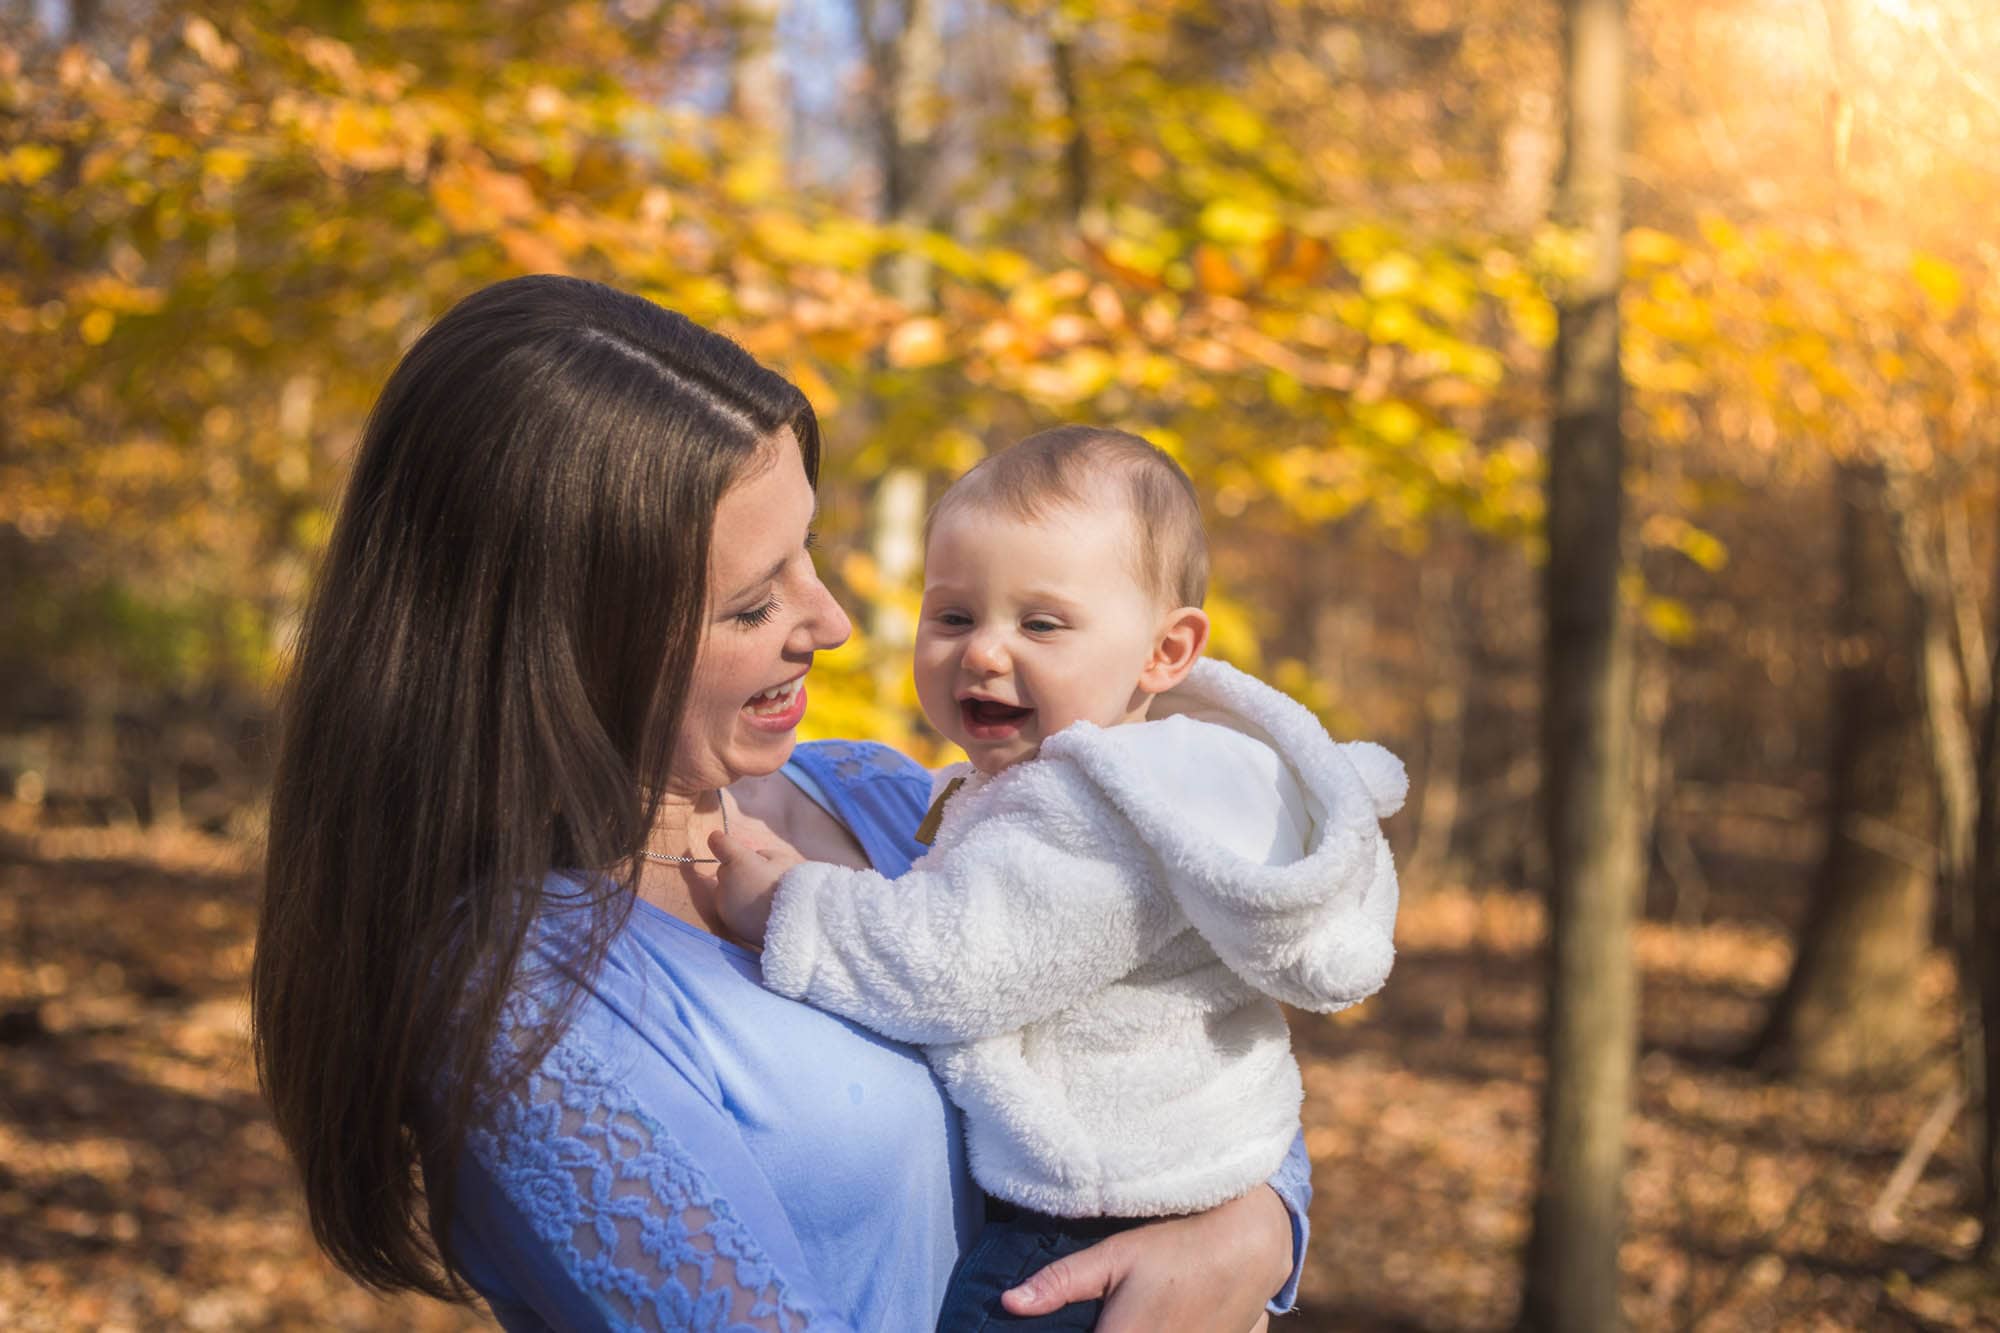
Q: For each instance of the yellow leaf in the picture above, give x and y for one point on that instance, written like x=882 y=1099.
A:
x=507 y=194
x=359 y=137
x=1391 y=275
x=96 y=327
x=1231 y=633
x=1668 y=619
x=819 y=391
x=1644 y=245
x=29 y=162
x=1392 y=322
x=228 y=165
x=532 y=253
x=917 y=342
x=1394 y=422
x=1941 y=283
x=1704 y=548
x=1235 y=124
x=203 y=39
x=1233 y=222
x=457 y=203
x=1079 y=375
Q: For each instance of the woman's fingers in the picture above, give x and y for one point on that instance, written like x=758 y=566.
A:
x=1210 y=1271
x=1083 y=1276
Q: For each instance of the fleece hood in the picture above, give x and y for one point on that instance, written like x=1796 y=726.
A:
x=1248 y=879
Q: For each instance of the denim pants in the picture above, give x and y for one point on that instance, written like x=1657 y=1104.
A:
x=1015 y=1244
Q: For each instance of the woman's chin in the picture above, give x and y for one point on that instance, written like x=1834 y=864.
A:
x=760 y=747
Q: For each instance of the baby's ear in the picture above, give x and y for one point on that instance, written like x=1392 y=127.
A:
x=1178 y=645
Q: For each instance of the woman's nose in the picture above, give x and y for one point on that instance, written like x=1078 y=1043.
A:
x=824 y=625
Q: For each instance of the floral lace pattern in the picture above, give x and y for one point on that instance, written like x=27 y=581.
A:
x=855 y=759
x=633 y=1219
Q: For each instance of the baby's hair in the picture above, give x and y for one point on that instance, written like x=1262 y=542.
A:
x=1060 y=466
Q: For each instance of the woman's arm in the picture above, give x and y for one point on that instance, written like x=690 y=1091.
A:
x=580 y=1209
x=1212 y=1271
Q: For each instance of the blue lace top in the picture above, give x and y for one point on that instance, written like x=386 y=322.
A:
x=697 y=1152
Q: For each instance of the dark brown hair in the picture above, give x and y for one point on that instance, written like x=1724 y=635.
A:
x=487 y=683
x=1062 y=466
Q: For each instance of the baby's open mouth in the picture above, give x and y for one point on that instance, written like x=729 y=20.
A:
x=989 y=713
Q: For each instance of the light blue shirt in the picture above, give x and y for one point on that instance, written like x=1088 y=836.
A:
x=698 y=1152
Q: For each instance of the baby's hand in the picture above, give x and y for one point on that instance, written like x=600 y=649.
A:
x=744 y=882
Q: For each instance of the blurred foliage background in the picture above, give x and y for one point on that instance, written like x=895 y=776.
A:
x=1303 y=244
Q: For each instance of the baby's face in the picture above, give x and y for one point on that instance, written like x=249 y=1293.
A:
x=1030 y=626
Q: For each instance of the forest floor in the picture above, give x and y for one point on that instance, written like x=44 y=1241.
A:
x=142 y=1186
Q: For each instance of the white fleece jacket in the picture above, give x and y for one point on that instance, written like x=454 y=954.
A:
x=1093 y=948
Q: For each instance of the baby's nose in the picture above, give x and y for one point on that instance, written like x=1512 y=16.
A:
x=985 y=652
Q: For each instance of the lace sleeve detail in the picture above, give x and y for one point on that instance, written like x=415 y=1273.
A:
x=855 y=760
x=636 y=1223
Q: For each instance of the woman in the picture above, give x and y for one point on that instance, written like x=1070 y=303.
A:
x=558 y=641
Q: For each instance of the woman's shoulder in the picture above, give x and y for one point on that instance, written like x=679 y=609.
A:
x=876 y=793
x=858 y=761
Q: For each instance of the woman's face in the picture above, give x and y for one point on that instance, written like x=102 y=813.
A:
x=767 y=614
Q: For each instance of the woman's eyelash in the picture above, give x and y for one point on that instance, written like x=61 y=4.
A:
x=761 y=616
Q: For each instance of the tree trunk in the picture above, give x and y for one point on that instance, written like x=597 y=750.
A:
x=1076 y=144
x=1984 y=969
x=1593 y=832
x=905 y=69
x=1440 y=641
x=1849 y=1008
x=757 y=84
x=1919 y=515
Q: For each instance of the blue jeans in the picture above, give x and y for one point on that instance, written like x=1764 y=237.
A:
x=1015 y=1244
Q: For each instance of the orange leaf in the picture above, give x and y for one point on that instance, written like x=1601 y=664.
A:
x=1215 y=274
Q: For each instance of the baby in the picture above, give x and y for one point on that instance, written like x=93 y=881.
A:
x=1147 y=853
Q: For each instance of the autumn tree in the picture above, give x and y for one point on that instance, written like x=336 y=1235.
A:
x=1985 y=981
x=1849 y=1005
x=1572 y=1276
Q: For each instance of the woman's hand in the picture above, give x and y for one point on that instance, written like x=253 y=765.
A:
x=745 y=878
x=1211 y=1271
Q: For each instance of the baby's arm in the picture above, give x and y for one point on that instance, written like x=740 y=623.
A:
x=1031 y=910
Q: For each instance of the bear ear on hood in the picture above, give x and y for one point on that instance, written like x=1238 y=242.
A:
x=1381 y=773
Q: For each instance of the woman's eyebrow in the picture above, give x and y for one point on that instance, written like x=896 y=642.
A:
x=777 y=566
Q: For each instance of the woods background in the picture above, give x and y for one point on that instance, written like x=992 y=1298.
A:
x=1315 y=248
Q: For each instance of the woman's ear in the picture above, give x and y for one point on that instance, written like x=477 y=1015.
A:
x=1182 y=636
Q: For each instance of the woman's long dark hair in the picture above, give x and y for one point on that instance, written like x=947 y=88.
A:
x=487 y=683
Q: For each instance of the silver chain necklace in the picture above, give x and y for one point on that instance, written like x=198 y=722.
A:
x=661 y=857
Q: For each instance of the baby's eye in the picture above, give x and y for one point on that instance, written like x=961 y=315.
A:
x=1041 y=625
x=953 y=619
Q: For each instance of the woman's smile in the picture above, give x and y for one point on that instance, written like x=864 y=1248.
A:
x=778 y=708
